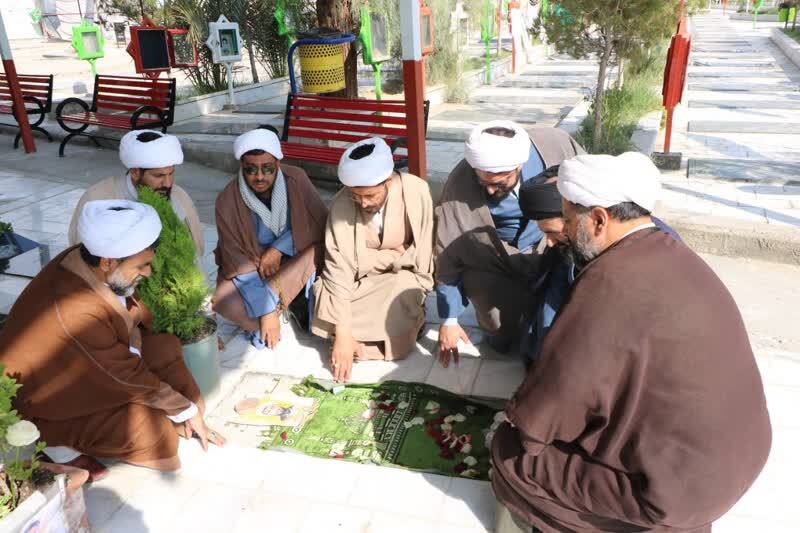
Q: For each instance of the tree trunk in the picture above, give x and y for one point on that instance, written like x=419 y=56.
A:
x=337 y=14
x=252 y=54
x=621 y=73
x=598 y=93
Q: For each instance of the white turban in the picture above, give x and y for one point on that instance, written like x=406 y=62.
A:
x=369 y=170
x=117 y=228
x=159 y=153
x=259 y=139
x=495 y=153
x=605 y=180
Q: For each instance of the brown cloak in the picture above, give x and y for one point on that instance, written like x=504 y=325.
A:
x=465 y=234
x=238 y=251
x=67 y=341
x=645 y=410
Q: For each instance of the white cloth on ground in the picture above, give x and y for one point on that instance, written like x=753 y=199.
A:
x=116 y=229
x=606 y=180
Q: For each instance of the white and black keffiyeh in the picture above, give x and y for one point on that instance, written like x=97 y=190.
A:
x=276 y=217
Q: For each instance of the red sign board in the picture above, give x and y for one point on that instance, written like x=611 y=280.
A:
x=149 y=48
x=675 y=75
x=182 y=51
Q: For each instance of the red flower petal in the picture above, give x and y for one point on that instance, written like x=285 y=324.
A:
x=460 y=467
x=283 y=436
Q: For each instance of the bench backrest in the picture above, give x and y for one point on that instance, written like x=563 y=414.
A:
x=126 y=94
x=38 y=86
x=344 y=119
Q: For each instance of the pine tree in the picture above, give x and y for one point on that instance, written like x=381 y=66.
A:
x=610 y=30
x=176 y=289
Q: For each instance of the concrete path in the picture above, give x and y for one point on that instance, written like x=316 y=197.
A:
x=739 y=132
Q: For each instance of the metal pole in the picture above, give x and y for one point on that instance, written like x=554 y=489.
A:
x=413 y=88
x=16 y=93
x=668 y=133
x=230 y=84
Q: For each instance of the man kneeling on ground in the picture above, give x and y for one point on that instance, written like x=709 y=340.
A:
x=645 y=410
x=94 y=380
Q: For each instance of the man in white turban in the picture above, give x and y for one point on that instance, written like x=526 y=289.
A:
x=378 y=260
x=95 y=380
x=484 y=246
x=151 y=158
x=631 y=418
x=271 y=225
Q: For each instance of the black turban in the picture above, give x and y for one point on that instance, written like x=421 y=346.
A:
x=539 y=200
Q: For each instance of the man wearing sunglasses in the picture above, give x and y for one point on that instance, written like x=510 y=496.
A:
x=271 y=227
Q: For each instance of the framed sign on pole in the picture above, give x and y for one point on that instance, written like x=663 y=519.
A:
x=88 y=42
x=149 y=48
x=225 y=42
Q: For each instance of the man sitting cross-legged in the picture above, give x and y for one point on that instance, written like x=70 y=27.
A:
x=94 y=380
x=271 y=226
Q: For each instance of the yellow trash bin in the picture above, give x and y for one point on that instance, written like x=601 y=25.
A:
x=322 y=67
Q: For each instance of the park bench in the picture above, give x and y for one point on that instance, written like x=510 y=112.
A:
x=119 y=102
x=37 y=94
x=342 y=120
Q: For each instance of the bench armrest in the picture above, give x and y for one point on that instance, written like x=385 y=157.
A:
x=60 y=112
x=150 y=110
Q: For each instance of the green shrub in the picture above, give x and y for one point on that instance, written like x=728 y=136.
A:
x=5 y=226
x=624 y=106
x=175 y=291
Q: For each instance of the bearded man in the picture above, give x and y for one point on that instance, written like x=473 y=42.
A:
x=484 y=246
x=271 y=226
x=645 y=410
x=150 y=157
x=378 y=260
x=540 y=201
x=95 y=380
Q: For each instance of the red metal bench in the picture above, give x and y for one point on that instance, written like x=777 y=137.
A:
x=342 y=120
x=119 y=102
x=37 y=94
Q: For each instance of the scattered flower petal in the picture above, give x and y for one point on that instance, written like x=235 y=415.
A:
x=459 y=417
x=470 y=473
x=470 y=461
x=460 y=467
x=432 y=406
x=402 y=405
x=466 y=448
x=449 y=418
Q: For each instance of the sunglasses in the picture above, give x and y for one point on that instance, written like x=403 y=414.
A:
x=252 y=170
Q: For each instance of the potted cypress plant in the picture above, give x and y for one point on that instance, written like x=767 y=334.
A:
x=175 y=293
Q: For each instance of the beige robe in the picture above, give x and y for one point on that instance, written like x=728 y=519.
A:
x=118 y=188
x=375 y=286
x=68 y=341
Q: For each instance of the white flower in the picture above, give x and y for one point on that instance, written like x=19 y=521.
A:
x=418 y=421
x=500 y=417
x=470 y=461
x=459 y=417
x=466 y=448
x=470 y=473
x=22 y=433
x=449 y=418
x=446 y=427
x=432 y=406
x=372 y=404
x=402 y=405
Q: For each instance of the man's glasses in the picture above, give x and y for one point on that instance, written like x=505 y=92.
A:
x=252 y=170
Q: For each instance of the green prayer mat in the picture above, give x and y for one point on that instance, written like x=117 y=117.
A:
x=411 y=425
